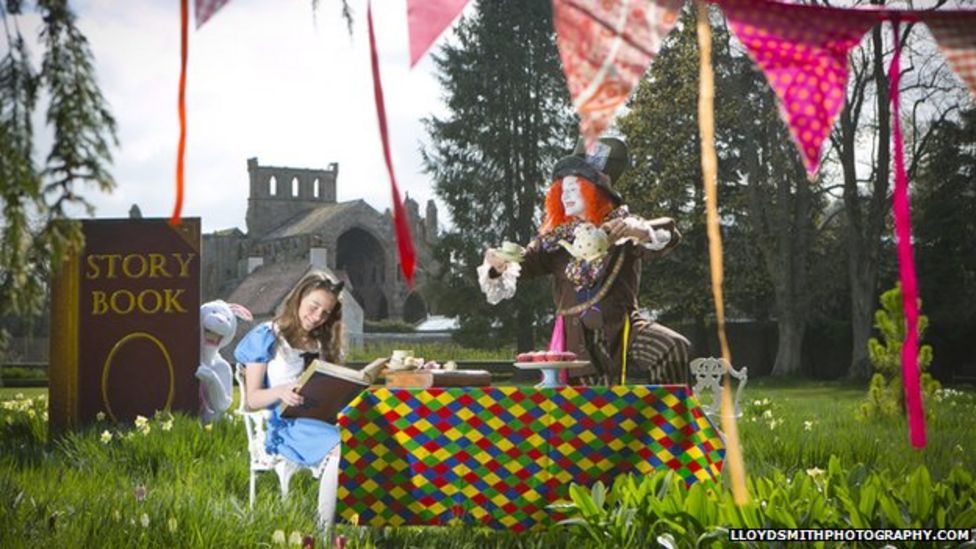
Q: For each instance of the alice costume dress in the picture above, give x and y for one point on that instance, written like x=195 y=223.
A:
x=301 y=440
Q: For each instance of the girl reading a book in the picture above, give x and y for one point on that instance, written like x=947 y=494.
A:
x=275 y=353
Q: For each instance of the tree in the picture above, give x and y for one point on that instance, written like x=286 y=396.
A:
x=944 y=209
x=866 y=119
x=886 y=396
x=759 y=225
x=509 y=120
x=36 y=196
x=783 y=205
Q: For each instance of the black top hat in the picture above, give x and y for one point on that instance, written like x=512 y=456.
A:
x=602 y=164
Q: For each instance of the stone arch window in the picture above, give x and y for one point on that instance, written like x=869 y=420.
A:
x=359 y=254
x=273 y=186
x=414 y=308
x=316 y=188
x=294 y=186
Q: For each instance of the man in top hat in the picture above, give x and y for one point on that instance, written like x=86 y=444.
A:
x=596 y=274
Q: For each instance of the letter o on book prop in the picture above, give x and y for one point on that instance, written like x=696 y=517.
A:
x=134 y=351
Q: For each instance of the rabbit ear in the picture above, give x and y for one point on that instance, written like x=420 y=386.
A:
x=241 y=311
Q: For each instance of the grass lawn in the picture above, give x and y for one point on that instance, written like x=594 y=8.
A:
x=84 y=489
x=829 y=407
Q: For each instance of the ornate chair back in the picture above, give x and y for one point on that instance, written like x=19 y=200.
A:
x=707 y=375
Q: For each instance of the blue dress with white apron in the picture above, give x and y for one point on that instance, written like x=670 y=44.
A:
x=302 y=440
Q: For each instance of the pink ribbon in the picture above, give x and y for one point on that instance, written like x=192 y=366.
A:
x=558 y=343
x=906 y=263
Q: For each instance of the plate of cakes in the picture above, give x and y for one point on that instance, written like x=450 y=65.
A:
x=543 y=360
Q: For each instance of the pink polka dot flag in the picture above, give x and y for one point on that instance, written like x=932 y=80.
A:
x=803 y=53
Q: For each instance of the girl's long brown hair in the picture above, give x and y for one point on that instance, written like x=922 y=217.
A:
x=598 y=205
x=329 y=334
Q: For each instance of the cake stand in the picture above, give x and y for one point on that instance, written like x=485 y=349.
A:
x=550 y=370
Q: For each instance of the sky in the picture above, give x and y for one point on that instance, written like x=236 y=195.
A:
x=272 y=79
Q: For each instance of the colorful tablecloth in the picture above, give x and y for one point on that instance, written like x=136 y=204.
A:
x=499 y=455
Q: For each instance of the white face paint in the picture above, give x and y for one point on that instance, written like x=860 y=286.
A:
x=572 y=197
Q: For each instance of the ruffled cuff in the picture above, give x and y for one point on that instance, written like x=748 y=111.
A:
x=500 y=287
x=659 y=239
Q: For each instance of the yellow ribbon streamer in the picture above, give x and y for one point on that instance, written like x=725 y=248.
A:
x=623 y=365
x=709 y=161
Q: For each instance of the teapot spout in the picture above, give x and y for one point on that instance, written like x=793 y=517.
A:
x=568 y=246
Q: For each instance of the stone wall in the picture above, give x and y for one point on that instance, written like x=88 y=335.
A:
x=277 y=194
x=220 y=263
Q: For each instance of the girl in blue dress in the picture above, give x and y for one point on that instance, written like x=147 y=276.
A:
x=274 y=352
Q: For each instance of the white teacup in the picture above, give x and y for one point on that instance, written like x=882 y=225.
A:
x=400 y=355
x=511 y=251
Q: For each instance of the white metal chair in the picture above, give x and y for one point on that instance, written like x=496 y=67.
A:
x=327 y=470
x=707 y=373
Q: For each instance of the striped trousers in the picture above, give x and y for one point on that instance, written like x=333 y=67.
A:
x=656 y=355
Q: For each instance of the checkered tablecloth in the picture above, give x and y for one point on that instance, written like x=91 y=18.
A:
x=499 y=455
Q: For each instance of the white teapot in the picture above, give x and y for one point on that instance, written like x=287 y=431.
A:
x=589 y=242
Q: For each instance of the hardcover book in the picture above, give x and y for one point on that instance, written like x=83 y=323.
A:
x=327 y=388
x=125 y=322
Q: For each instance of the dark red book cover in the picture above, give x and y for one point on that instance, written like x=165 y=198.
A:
x=326 y=389
x=125 y=326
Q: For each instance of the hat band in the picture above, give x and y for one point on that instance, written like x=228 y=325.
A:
x=584 y=170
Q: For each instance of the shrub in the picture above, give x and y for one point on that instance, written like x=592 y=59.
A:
x=18 y=372
x=885 y=397
x=389 y=326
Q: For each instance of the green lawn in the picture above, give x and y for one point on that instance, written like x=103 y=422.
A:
x=81 y=490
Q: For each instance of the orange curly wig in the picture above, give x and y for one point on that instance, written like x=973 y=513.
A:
x=598 y=205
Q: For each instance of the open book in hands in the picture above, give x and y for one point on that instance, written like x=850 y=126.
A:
x=327 y=388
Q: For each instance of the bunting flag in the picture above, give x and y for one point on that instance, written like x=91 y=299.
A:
x=906 y=260
x=803 y=52
x=605 y=48
x=204 y=9
x=426 y=20
x=400 y=224
x=956 y=35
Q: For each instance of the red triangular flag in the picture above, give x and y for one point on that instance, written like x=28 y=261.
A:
x=956 y=36
x=803 y=52
x=605 y=48
x=426 y=20
x=204 y=9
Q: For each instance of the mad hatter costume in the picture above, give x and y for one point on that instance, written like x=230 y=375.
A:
x=594 y=247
